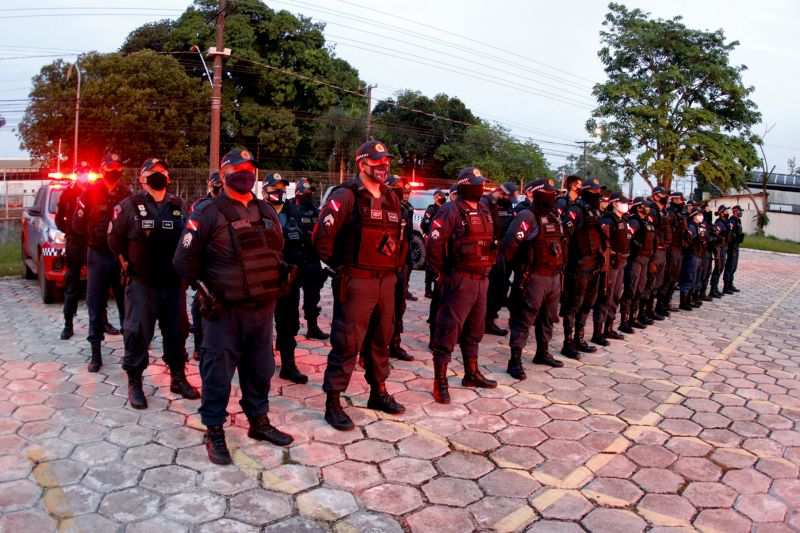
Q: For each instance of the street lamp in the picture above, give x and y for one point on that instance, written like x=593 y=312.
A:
x=77 y=112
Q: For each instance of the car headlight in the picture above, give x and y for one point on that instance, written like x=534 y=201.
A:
x=57 y=236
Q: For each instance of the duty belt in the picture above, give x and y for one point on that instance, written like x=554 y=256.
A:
x=471 y=275
x=361 y=273
x=543 y=271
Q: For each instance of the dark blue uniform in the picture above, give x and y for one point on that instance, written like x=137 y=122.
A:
x=74 y=255
x=722 y=230
x=619 y=236
x=643 y=243
x=146 y=233
x=497 y=294
x=236 y=251
x=737 y=238
x=91 y=219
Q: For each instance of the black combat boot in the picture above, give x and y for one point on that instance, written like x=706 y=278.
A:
x=381 y=400
x=215 y=446
x=335 y=415
x=625 y=322
x=597 y=335
x=135 y=393
x=704 y=296
x=180 y=385
x=714 y=292
x=515 y=369
x=198 y=341
x=662 y=307
x=610 y=333
x=67 y=332
x=108 y=329
x=685 y=305
x=568 y=348
x=289 y=370
x=97 y=358
x=543 y=357
x=651 y=312
x=262 y=429
x=313 y=331
x=642 y=316
x=440 y=392
x=581 y=345
x=671 y=308
x=411 y=298
x=727 y=288
x=697 y=300
x=398 y=352
x=732 y=288
x=493 y=329
x=473 y=377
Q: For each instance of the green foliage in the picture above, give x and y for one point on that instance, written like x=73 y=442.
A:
x=140 y=105
x=762 y=221
x=416 y=136
x=499 y=156
x=770 y=244
x=10 y=259
x=672 y=102
x=341 y=131
x=605 y=170
x=150 y=36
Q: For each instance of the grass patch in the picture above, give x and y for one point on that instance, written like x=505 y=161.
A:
x=771 y=244
x=10 y=259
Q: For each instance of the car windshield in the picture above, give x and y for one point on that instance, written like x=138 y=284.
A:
x=421 y=199
x=52 y=202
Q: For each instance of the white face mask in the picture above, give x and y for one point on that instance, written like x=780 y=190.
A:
x=698 y=219
x=622 y=207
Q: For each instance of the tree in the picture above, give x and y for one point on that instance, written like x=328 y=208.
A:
x=672 y=102
x=280 y=77
x=151 y=36
x=762 y=217
x=603 y=169
x=140 y=105
x=416 y=126
x=341 y=132
x=499 y=156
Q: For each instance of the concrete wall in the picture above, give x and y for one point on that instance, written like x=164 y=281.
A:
x=782 y=225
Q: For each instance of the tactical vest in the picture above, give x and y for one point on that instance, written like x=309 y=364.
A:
x=101 y=209
x=373 y=238
x=588 y=238
x=260 y=274
x=679 y=228
x=308 y=219
x=473 y=246
x=502 y=220
x=646 y=237
x=723 y=231
x=697 y=245
x=664 y=228
x=547 y=256
x=619 y=235
x=153 y=238
x=293 y=235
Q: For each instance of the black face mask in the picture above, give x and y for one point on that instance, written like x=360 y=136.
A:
x=275 y=197
x=677 y=207
x=543 y=203
x=378 y=173
x=242 y=181
x=305 y=199
x=215 y=190
x=470 y=193
x=642 y=213
x=112 y=176
x=591 y=198
x=441 y=201
x=663 y=200
x=157 y=181
x=504 y=202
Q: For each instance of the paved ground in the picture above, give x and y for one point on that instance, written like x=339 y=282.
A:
x=691 y=424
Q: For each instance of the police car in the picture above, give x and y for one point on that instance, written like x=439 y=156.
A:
x=43 y=243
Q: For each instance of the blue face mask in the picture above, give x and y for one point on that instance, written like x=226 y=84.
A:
x=241 y=182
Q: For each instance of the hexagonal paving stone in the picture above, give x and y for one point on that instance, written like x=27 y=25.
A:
x=259 y=506
x=566 y=450
x=452 y=491
x=473 y=441
x=761 y=507
x=129 y=505
x=561 y=504
x=613 y=521
x=351 y=475
x=28 y=520
x=289 y=479
x=651 y=456
x=388 y=430
x=666 y=509
x=18 y=494
x=112 y=476
x=59 y=473
x=296 y=524
x=706 y=494
x=502 y=514
x=149 y=455
x=326 y=504
x=366 y=521
x=726 y=520
x=422 y=447
x=68 y=502
x=316 y=454
x=157 y=525
x=778 y=468
x=612 y=492
x=788 y=490
x=516 y=457
x=746 y=481
x=464 y=465
x=697 y=469
x=96 y=453
x=194 y=506
x=658 y=480
x=407 y=470
x=392 y=499
x=439 y=518
x=370 y=451
x=170 y=479
x=509 y=483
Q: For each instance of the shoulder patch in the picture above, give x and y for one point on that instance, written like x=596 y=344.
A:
x=193 y=225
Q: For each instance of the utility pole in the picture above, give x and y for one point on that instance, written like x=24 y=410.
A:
x=369 y=109
x=216 y=92
x=585 y=156
x=77 y=113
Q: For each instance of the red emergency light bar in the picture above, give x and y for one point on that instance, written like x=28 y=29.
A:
x=72 y=177
x=416 y=184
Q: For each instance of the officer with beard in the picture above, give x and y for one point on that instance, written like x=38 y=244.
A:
x=584 y=266
x=439 y=198
x=533 y=247
x=231 y=251
x=462 y=250
x=287 y=308
x=618 y=236
x=722 y=230
x=360 y=233
x=695 y=250
x=91 y=220
x=214 y=189
x=498 y=202
x=679 y=242
x=75 y=246
x=737 y=238
x=643 y=243
x=310 y=272
x=144 y=233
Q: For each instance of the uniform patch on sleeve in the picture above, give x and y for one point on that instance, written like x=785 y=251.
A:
x=437 y=223
x=520 y=235
x=116 y=212
x=187 y=240
x=435 y=234
x=524 y=226
x=573 y=215
x=192 y=225
x=329 y=220
x=335 y=205
x=80 y=213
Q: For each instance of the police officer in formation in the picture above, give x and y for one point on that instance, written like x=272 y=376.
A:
x=403 y=190
x=462 y=249
x=312 y=276
x=144 y=232
x=439 y=199
x=693 y=258
x=722 y=242
x=736 y=239
x=287 y=308
x=643 y=242
x=231 y=250
x=498 y=203
x=360 y=234
x=74 y=247
x=533 y=247
x=657 y=308
x=677 y=211
x=91 y=220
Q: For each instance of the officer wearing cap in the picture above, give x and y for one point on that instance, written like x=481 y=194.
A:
x=528 y=200
x=360 y=233
x=573 y=186
x=695 y=250
x=462 y=250
x=214 y=189
x=231 y=250
x=737 y=238
x=643 y=243
x=618 y=236
x=75 y=245
x=287 y=308
x=500 y=207
x=439 y=199
x=144 y=233
x=91 y=219
x=680 y=239
x=706 y=265
x=656 y=305
x=585 y=262
x=723 y=240
x=533 y=249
